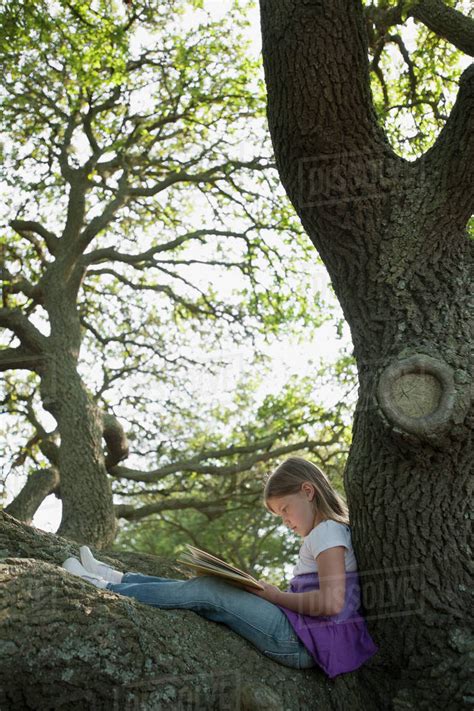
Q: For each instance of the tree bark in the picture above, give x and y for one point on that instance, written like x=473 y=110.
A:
x=40 y=484
x=393 y=237
x=86 y=493
x=446 y=22
x=64 y=643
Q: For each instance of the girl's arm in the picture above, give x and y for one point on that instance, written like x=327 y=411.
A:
x=328 y=600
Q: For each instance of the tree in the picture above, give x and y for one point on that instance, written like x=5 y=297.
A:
x=393 y=236
x=120 y=128
x=398 y=478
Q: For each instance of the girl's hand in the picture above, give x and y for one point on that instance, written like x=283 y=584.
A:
x=270 y=592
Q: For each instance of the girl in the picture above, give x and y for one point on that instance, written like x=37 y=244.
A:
x=315 y=622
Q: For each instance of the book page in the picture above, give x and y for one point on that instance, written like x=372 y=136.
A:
x=218 y=560
x=220 y=573
x=211 y=565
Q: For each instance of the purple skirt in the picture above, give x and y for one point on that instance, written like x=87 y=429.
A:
x=338 y=643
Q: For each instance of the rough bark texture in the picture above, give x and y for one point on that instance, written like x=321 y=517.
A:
x=446 y=22
x=86 y=493
x=393 y=237
x=66 y=644
x=40 y=484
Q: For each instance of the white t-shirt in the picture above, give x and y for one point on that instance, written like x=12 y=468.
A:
x=326 y=534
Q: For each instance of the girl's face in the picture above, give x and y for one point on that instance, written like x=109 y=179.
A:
x=296 y=510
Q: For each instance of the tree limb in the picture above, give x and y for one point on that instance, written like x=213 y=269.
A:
x=97 y=224
x=67 y=172
x=19 y=359
x=40 y=484
x=449 y=163
x=194 y=465
x=50 y=631
x=18 y=284
x=202 y=177
x=23 y=227
x=30 y=337
x=109 y=254
x=330 y=150
x=446 y=22
x=131 y=513
x=302 y=45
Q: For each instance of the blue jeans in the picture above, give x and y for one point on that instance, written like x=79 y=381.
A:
x=259 y=621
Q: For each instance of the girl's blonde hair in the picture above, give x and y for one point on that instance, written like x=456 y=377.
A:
x=288 y=478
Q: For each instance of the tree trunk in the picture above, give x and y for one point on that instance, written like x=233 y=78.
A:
x=88 y=515
x=393 y=237
x=67 y=644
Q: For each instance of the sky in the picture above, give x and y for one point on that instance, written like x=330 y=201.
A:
x=288 y=357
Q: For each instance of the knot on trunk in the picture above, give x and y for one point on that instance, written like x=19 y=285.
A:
x=419 y=395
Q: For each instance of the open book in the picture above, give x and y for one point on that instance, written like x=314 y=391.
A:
x=207 y=564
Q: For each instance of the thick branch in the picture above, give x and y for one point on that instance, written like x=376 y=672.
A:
x=50 y=628
x=76 y=208
x=17 y=284
x=330 y=151
x=449 y=163
x=50 y=450
x=28 y=334
x=67 y=172
x=445 y=22
x=441 y=19
x=317 y=51
x=19 y=359
x=40 y=484
x=24 y=227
